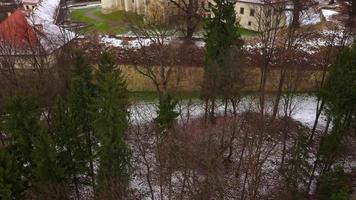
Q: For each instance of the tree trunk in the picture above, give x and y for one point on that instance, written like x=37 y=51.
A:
x=353 y=9
x=279 y=93
x=296 y=11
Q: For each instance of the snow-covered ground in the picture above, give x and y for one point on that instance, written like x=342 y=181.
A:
x=304 y=109
x=310 y=16
x=328 y=13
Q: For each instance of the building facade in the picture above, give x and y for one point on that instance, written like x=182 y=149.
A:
x=250 y=13
x=257 y=15
x=136 y=6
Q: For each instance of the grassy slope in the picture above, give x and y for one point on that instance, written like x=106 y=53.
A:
x=114 y=23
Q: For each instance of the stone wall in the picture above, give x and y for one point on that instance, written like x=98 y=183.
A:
x=189 y=79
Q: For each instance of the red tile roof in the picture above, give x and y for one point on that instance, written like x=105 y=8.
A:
x=16 y=31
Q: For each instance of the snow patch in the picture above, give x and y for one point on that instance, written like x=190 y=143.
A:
x=328 y=13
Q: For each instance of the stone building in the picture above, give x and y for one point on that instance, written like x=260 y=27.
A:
x=249 y=12
x=137 y=6
x=252 y=13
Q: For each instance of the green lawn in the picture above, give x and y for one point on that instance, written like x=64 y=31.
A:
x=114 y=23
x=244 y=31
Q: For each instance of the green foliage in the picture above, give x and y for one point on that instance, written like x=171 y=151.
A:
x=11 y=185
x=334 y=185
x=69 y=142
x=22 y=126
x=111 y=121
x=223 y=47
x=339 y=92
x=72 y=124
x=117 y=22
x=165 y=113
x=297 y=170
x=222 y=31
x=80 y=100
x=44 y=155
x=31 y=152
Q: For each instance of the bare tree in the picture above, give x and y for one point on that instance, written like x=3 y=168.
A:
x=29 y=59
x=191 y=12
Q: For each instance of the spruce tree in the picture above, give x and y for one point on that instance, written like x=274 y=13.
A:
x=80 y=99
x=70 y=145
x=222 y=38
x=297 y=170
x=72 y=124
x=110 y=124
x=165 y=113
x=32 y=148
x=22 y=126
x=339 y=94
x=44 y=156
x=11 y=185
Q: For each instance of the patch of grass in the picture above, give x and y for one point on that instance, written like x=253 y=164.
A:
x=79 y=15
x=114 y=23
x=117 y=22
x=244 y=31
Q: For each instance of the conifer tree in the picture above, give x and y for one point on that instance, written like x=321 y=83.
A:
x=222 y=37
x=44 y=156
x=11 y=186
x=31 y=146
x=297 y=169
x=72 y=124
x=339 y=94
x=165 y=113
x=80 y=99
x=111 y=122
x=22 y=126
x=70 y=145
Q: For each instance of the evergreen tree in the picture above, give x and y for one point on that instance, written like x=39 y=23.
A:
x=297 y=169
x=48 y=174
x=70 y=145
x=222 y=38
x=334 y=185
x=80 y=99
x=111 y=122
x=339 y=95
x=22 y=126
x=72 y=124
x=44 y=156
x=11 y=185
x=32 y=148
x=166 y=114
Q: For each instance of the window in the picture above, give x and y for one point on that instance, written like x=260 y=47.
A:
x=249 y=23
x=252 y=12
x=242 y=11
